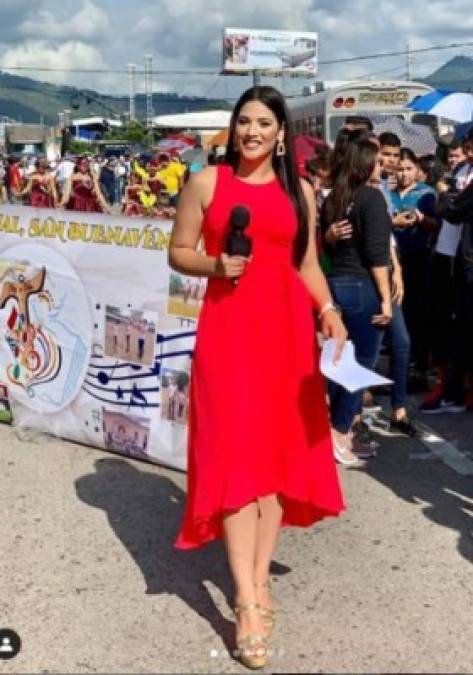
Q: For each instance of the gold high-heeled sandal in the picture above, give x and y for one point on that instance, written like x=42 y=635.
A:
x=252 y=649
x=267 y=614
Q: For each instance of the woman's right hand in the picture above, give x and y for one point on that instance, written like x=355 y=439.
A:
x=231 y=267
x=342 y=229
x=385 y=315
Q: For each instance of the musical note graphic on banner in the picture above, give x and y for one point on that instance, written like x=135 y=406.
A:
x=96 y=415
x=129 y=384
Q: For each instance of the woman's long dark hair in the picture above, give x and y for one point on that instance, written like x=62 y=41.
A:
x=355 y=170
x=284 y=166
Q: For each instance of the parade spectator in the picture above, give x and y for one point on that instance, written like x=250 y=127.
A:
x=390 y=149
x=358 y=277
x=456 y=206
x=441 y=313
x=455 y=155
x=415 y=223
x=107 y=179
x=14 y=178
x=430 y=170
x=63 y=172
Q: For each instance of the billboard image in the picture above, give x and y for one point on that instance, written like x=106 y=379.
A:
x=273 y=51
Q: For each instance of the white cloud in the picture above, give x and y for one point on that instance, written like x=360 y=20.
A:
x=186 y=34
x=70 y=54
x=89 y=23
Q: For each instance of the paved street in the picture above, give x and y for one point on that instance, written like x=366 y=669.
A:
x=91 y=583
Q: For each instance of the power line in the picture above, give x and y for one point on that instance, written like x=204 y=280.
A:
x=121 y=71
x=421 y=50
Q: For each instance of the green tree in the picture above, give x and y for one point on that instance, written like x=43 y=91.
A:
x=77 y=147
x=133 y=132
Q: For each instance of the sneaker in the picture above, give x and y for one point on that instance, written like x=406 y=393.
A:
x=344 y=455
x=435 y=393
x=441 y=406
x=364 y=450
x=405 y=426
x=361 y=432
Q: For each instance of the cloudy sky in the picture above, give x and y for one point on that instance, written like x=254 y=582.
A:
x=187 y=34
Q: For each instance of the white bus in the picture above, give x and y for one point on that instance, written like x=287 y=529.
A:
x=323 y=114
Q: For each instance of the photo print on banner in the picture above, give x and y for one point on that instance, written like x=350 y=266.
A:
x=185 y=295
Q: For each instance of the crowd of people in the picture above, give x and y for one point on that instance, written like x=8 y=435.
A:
x=403 y=222
x=141 y=185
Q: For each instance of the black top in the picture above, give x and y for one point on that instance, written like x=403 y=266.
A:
x=370 y=244
x=457 y=208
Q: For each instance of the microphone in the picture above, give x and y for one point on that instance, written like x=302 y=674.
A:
x=237 y=242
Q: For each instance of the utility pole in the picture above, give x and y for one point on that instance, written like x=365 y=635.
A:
x=131 y=82
x=149 y=91
x=408 y=61
x=256 y=78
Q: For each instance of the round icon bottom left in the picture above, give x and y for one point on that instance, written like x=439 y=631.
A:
x=10 y=643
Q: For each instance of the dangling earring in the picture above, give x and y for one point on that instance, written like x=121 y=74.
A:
x=280 y=149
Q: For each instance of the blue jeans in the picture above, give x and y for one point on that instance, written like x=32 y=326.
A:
x=399 y=351
x=359 y=301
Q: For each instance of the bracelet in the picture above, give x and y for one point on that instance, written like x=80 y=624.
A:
x=328 y=306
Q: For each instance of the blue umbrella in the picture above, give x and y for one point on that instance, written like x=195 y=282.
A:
x=455 y=106
x=461 y=130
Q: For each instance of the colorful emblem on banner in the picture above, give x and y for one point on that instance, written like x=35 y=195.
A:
x=46 y=327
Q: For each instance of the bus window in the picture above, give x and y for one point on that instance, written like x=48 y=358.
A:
x=335 y=124
x=425 y=119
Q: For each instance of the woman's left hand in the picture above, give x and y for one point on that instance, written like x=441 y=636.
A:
x=397 y=285
x=332 y=326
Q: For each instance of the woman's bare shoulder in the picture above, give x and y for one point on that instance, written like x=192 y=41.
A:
x=202 y=184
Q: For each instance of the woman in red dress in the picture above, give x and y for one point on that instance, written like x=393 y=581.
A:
x=131 y=201
x=41 y=187
x=82 y=191
x=260 y=452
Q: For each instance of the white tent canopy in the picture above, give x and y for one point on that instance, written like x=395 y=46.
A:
x=208 y=119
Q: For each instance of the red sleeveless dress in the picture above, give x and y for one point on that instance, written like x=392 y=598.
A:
x=258 y=422
x=83 y=197
x=41 y=196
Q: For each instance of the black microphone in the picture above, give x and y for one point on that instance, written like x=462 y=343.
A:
x=237 y=242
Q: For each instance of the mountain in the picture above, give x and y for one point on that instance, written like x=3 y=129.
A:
x=27 y=100
x=456 y=74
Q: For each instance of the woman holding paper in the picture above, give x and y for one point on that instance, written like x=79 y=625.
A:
x=260 y=451
x=359 y=277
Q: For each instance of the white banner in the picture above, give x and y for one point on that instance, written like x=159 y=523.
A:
x=96 y=331
x=273 y=51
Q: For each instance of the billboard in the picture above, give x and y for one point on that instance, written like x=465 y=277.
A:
x=270 y=51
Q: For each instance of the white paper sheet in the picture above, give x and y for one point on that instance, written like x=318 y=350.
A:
x=449 y=238
x=348 y=372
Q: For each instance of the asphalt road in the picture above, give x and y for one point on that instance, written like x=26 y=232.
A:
x=91 y=583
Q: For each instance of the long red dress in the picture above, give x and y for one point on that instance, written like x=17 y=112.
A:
x=258 y=422
x=83 y=196
x=41 y=196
